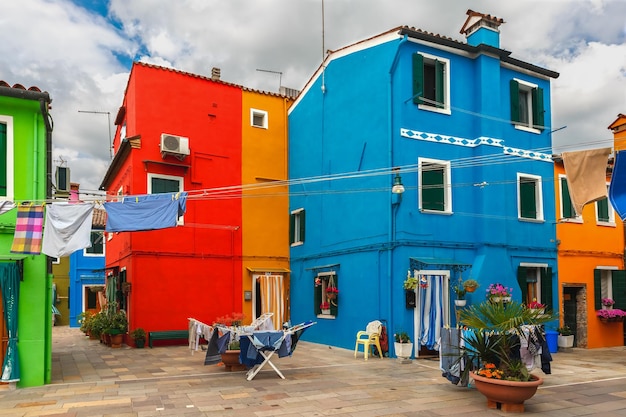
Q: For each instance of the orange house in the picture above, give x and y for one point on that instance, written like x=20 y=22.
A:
x=590 y=265
x=221 y=143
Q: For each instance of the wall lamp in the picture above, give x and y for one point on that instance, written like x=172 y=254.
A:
x=397 y=188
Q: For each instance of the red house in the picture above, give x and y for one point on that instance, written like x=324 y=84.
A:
x=178 y=131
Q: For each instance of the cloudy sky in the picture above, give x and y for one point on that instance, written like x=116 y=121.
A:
x=81 y=51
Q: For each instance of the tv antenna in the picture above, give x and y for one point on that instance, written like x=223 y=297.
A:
x=280 y=76
x=60 y=162
x=109 y=119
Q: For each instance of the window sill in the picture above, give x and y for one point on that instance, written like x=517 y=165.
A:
x=426 y=211
x=526 y=219
x=605 y=224
x=577 y=220
x=528 y=129
x=444 y=110
x=326 y=316
x=297 y=244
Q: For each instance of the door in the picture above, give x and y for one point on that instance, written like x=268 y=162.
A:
x=432 y=310
x=270 y=297
x=569 y=309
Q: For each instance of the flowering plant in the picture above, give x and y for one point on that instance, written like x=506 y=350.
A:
x=402 y=337
x=608 y=302
x=536 y=305
x=332 y=290
x=611 y=314
x=234 y=319
x=498 y=290
x=489 y=370
x=318 y=281
x=325 y=305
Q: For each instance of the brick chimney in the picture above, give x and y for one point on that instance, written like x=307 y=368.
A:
x=215 y=73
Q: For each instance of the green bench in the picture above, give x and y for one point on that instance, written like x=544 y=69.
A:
x=167 y=335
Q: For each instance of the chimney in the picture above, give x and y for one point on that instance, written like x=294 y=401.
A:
x=215 y=73
x=482 y=28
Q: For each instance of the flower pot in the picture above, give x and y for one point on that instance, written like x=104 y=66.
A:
x=565 y=341
x=403 y=350
x=410 y=299
x=495 y=299
x=460 y=303
x=469 y=289
x=140 y=343
x=326 y=311
x=509 y=395
x=230 y=359
x=116 y=340
x=506 y=299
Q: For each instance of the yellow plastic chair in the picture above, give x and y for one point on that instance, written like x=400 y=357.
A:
x=369 y=338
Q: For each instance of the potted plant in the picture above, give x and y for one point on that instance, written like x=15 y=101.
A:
x=85 y=319
x=536 y=306
x=409 y=285
x=499 y=293
x=139 y=336
x=230 y=357
x=607 y=303
x=118 y=325
x=402 y=345
x=470 y=285
x=460 y=291
x=325 y=307
x=331 y=293
x=491 y=341
x=611 y=315
x=97 y=324
x=566 y=337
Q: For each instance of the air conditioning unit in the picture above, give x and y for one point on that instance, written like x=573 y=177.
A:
x=174 y=145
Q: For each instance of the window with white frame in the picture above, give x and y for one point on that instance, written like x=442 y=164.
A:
x=434 y=181
x=6 y=158
x=609 y=282
x=431 y=82
x=97 y=244
x=296 y=227
x=529 y=197
x=527 y=110
x=535 y=281
x=568 y=213
x=325 y=294
x=258 y=118
x=605 y=215
x=159 y=183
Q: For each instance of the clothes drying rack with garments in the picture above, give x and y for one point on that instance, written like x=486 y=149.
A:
x=258 y=342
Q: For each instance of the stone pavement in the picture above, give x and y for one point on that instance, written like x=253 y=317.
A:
x=90 y=379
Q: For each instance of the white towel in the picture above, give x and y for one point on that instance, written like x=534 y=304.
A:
x=67 y=228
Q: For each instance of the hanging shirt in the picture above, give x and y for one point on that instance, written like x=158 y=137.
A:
x=68 y=228
x=6 y=206
x=586 y=176
x=149 y=212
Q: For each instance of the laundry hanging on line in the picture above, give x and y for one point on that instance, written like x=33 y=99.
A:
x=6 y=206
x=586 y=176
x=68 y=228
x=147 y=212
x=28 y=230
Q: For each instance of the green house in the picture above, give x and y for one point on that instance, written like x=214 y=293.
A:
x=25 y=280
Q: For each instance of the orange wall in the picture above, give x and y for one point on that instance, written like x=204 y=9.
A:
x=584 y=247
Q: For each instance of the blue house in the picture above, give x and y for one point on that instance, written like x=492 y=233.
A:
x=461 y=132
x=87 y=272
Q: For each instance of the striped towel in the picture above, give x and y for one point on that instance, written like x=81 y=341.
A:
x=28 y=230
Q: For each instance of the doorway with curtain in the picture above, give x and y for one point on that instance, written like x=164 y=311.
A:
x=269 y=296
x=432 y=310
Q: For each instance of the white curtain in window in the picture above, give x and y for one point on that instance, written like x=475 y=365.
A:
x=431 y=312
x=273 y=298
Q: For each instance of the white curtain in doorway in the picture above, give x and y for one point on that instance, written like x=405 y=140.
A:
x=273 y=298
x=431 y=311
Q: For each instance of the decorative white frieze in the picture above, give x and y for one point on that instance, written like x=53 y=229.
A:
x=472 y=143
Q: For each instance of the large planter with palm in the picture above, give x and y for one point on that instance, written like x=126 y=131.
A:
x=496 y=329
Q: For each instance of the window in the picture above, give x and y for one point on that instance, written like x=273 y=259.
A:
x=158 y=184
x=527 y=110
x=434 y=185
x=258 y=118
x=609 y=283
x=535 y=281
x=6 y=158
x=296 y=227
x=431 y=81
x=529 y=200
x=605 y=215
x=97 y=245
x=567 y=208
x=325 y=294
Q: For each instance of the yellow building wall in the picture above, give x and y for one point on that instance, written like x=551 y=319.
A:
x=584 y=247
x=61 y=277
x=265 y=205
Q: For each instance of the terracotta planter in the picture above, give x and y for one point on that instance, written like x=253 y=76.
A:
x=116 y=340
x=469 y=289
x=506 y=395
x=230 y=359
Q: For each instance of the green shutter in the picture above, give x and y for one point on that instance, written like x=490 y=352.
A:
x=546 y=287
x=528 y=203
x=418 y=78
x=603 y=210
x=432 y=188
x=165 y=185
x=514 y=87
x=302 y=226
x=538 y=111
x=292 y=228
x=521 y=280
x=566 y=201
x=439 y=68
x=3 y=160
x=334 y=309
x=597 y=289
x=618 y=282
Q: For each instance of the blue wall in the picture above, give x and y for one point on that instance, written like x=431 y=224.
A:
x=84 y=270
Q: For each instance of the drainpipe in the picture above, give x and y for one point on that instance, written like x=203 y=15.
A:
x=392 y=207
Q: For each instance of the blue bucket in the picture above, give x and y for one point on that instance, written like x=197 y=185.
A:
x=552 y=338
